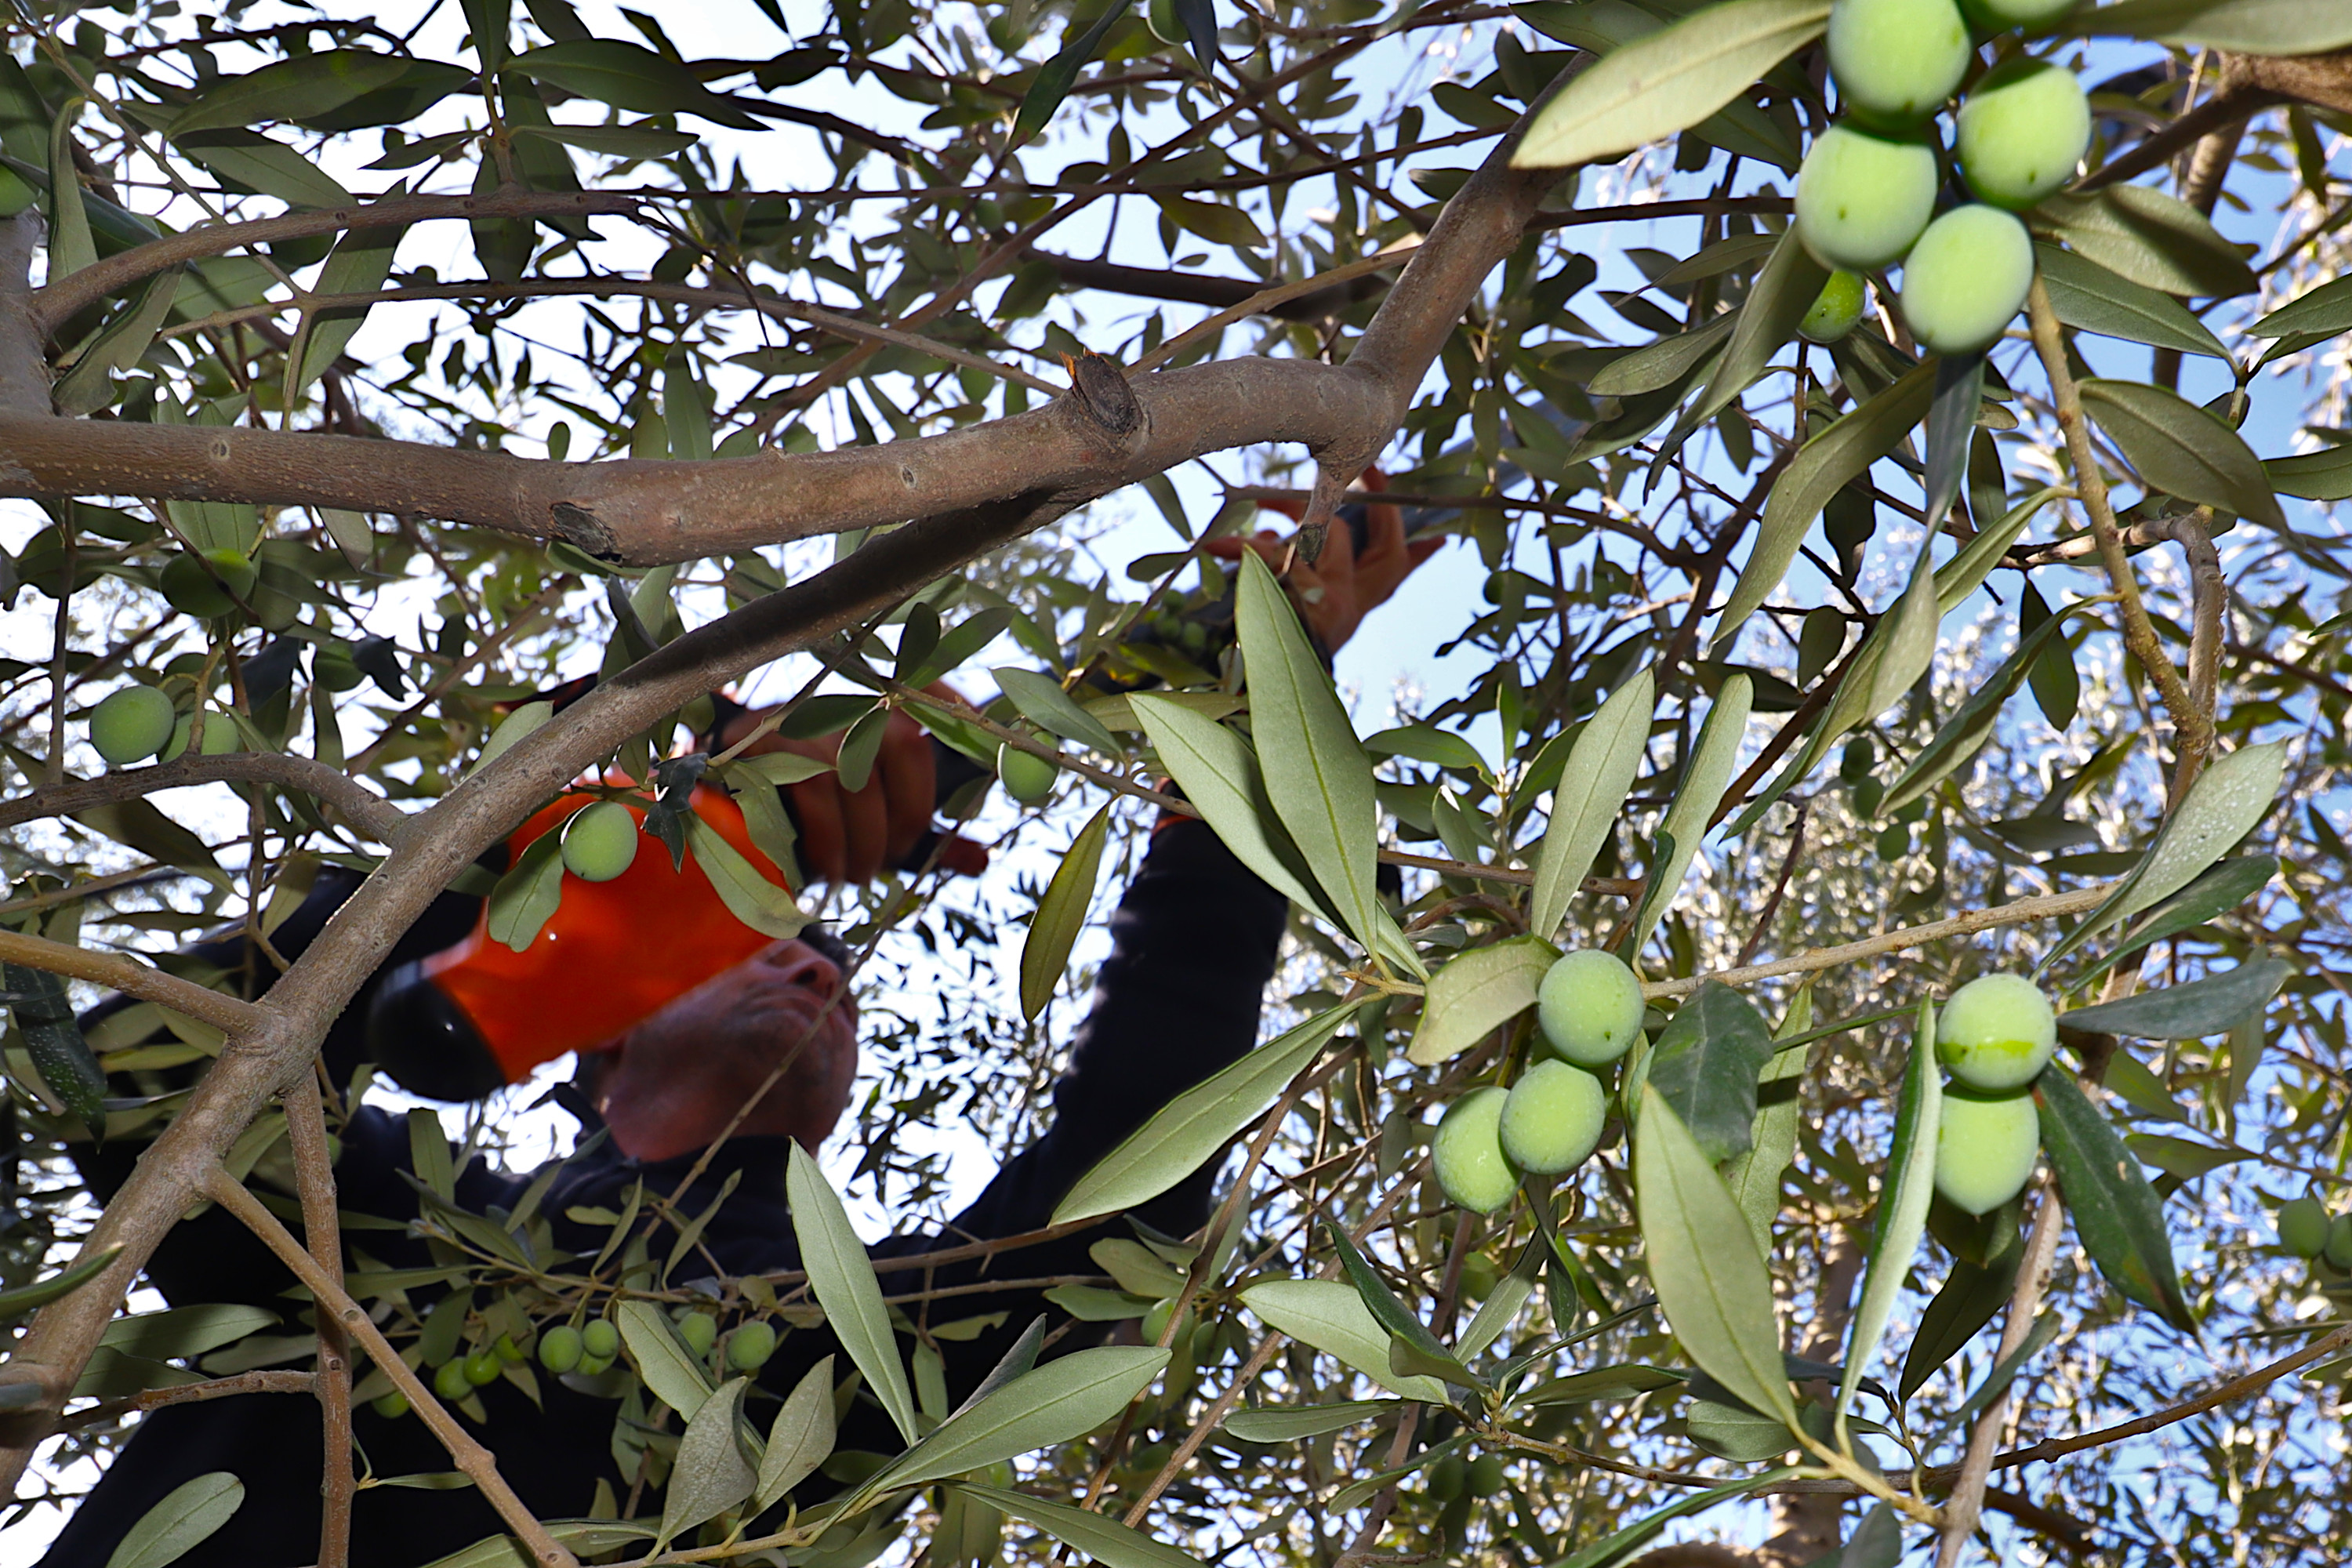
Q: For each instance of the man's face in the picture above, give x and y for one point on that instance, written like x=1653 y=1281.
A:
x=681 y=1076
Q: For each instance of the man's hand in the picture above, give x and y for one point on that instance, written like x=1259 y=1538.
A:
x=853 y=835
x=1340 y=590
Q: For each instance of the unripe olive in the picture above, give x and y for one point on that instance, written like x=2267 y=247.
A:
x=1863 y=198
x=450 y=1381
x=1151 y=1459
x=1027 y=777
x=2303 y=1226
x=1966 y=278
x=1467 y=1153
x=1895 y=61
x=599 y=1339
x=220 y=736
x=1447 y=1476
x=1484 y=1477
x=2338 y=1251
x=698 y=1331
x=1590 y=1008
x=210 y=587
x=482 y=1368
x=1155 y=1322
x=594 y=1365
x=1834 y=310
x=1479 y=1275
x=600 y=841
x=1551 y=1119
x=392 y=1406
x=1996 y=1033
x=1986 y=1147
x=558 y=1349
x=1990 y=17
x=132 y=724
x=1159 y=15
x=184 y=729
x=331 y=667
x=750 y=1345
x=2022 y=132
x=507 y=1351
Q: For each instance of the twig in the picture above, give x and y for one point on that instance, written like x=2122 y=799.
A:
x=2208 y=599
x=2193 y=727
x=360 y=805
x=1966 y=1505
x=2048 y=906
x=148 y=1399
x=132 y=978
x=1779 y=887
x=327 y=1290
x=314 y=1184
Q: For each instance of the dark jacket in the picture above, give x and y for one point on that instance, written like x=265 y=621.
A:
x=1195 y=943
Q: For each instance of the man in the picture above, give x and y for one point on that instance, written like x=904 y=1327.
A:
x=760 y=1056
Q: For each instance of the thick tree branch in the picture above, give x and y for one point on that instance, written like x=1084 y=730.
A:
x=365 y=809
x=129 y=977
x=24 y=374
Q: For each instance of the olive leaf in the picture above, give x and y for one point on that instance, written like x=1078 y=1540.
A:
x=2181 y=449
x=15 y=1304
x=61 y=1057
x=1332 y=1318
x=1096 y=1535
x=2091 y=299
x=1904 y=1194
x=1705 y=1067
x=1287 y=1426
x=1709 y=1277
x=1784 y=291
x=1065 y=1398
x=2218 y=890
x=186 y=1517
x=359 y=264
x=1058 y=75
x=2151 y=239
x=627 y=76
x=1615 y=1546
x=2247 y=27
x=1477 y=992
x=1673 y=78
x=1061 y=915
x=89 y=384
x=1413 y=1349
x=2116 y=1213
x=1965 y=734
x=669 y=1367
x=842 y=1276
x=1593 y=784
x=1754 y=1174
x=766 y=906
x=1220 y=777
x=712 y=1473
x=1971 y=1294
x=2209 y=1006
x=1713 y=755
x=1189 y=1131
x=1821 y=468
x=1041 y=699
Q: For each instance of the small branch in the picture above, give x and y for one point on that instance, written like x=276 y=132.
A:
x=1336 y=283
x=149 y=1399
x=132 y=978
x=24 y=372
x=2193 y=726
x=61 y=300
x=360 y=806
x=314 y=1183
x=1966 y=1505
x=2226 y=109
x=2209 y=606
x=327 y=1290
x=2048 y=906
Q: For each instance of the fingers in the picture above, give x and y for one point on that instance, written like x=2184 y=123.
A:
x=866 y=830
x=816 y=805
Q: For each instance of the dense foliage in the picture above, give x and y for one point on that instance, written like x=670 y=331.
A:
x=1813 y=677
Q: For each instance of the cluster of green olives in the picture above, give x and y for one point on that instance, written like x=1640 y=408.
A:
x=1866 y=194
x=133 y=724
x=1994 y=1036
x=2306 y=1229
x=1589 y=1009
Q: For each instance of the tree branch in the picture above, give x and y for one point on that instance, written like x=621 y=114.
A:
x=358 y=805
x=129 y=977
x=327 y=1290
x=314 y=1184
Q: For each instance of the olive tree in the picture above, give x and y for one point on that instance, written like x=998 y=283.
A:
x=1843 y=641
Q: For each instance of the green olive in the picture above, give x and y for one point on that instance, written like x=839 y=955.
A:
x=1996 y=1034
x=1990 y=17
x=1895 y=61
x=451 y=1381
x=1966 y=278
x=1468 y=1153
x=1159 y=15
x=2303 y=1226
x=2338 y=1251
x=331 y=667
x=210 y=586
x=1028 y=778
x=507 y=1351
x=750 y=1345
x=1150 y=1460
x=1155 y=1322
x=1484 y=1477
x=1551 y=1122
x=558 y=1349
x=1590 y=1008
x=1863 y=198
x=1834 y=311
x=594 y=1365
x=482 y=1368
x=132 y=724
x=600 y=841
x=1479 y=1275
x=2022 y=132
x=392 y=1406
x=599 y=1339
x=1447 y=1476
x=1986 y=1147
x=699 y=1330
x=220 y=736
